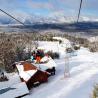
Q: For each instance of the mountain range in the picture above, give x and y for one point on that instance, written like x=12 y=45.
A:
x=37 y=19
x=89 y=25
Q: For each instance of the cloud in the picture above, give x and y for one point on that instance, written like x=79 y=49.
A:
x=90 y=4
x=40 y=5
x=67 y=6
x=52 y=7
x=9 y=4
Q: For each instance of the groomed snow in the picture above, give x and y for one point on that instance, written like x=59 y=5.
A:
x=83 y=76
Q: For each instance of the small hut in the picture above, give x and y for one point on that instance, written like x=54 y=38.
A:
x=30 y=74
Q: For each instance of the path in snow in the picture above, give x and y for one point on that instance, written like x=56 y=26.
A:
x=84 y=74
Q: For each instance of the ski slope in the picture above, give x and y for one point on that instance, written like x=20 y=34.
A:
x=83 y=76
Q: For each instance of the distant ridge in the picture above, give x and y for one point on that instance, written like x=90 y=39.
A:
x=65 y=27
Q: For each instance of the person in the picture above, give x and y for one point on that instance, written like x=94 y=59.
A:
x=32 y=58
x=38 y=59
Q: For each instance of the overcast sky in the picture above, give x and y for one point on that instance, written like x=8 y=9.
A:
x=50 y=7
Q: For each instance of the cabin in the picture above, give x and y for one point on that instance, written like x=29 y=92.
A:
x=30 y=74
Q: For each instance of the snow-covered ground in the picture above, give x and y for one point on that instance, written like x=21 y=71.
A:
x=13 y=79
x=55 y=46
x=83 y=69
x=83 y=76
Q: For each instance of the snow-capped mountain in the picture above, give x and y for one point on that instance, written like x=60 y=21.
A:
x=32 y=19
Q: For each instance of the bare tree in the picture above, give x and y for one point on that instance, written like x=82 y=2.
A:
x=13 y=48
x=7 y=52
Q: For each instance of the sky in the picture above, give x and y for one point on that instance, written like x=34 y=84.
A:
x=50 y=7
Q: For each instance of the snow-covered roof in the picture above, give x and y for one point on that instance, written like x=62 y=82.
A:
x=26 y=75
x=44 y=66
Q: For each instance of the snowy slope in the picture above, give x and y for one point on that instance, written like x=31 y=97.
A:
x=55 y=46
x=83 y=76
x=48 y=46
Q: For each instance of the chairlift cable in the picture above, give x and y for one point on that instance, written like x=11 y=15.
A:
x=79 y=10
x=12 y=17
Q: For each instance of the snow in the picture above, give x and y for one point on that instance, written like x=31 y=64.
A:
x=55 y=46
x=65 y=42
x=26 y=75
x=49 y=64
x=14 y=86
x=83 y=76
x=62 y=39
x=83 y=68
x=44 y=59
x=48 y=46
x=13 y=79
x=93 y=39
x=16 y=90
